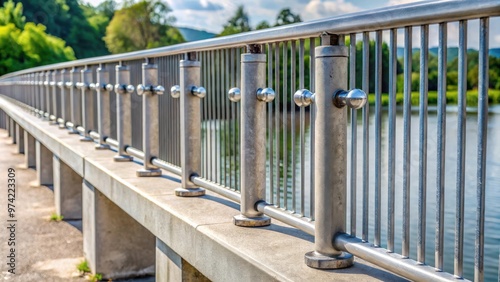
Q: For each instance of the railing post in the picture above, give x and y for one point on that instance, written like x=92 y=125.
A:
x=150 y=131
x=330 y=161
x=46 y=114
x=253 y=135
x=41 y=96
x=87 y=103
x=103 y=114
x=53 y=86
x=190 y=94
x=62 y=86
x=123 y=91
x=74 y=100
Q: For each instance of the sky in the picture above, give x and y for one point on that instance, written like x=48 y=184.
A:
x=211 y=15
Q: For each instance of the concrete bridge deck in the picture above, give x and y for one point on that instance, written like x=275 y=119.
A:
x=134 y=226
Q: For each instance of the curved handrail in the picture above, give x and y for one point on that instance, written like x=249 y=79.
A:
x=419 y=13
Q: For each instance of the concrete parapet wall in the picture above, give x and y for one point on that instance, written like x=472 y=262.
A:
x=192 y=234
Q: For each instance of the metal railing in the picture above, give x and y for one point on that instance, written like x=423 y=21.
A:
x=274 y=155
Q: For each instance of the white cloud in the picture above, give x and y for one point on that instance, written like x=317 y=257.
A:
x=317 y=9
x=401 y=2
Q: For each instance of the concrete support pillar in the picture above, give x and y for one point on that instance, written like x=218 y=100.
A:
x=168 y=263
x=29 y=150
x=67 y=190
x=20 y=139
x=114 y=244
x=44 y=171
x=170 y=267
x=12 y=130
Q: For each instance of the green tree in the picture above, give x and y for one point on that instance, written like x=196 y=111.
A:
x=238 y=23
x=12 y=13
x=27 y=45
x=286 y=16
x=147 y=26
x=66 y=19
x=262 y=25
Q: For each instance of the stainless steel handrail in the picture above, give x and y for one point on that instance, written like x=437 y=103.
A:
x=425 y=12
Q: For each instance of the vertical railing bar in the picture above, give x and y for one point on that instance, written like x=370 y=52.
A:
x=211 y=112
x=312 y=66
x=378 y=135
x=366 y=140
x=441 y=145
x=285 y=125
x=407 y=142
x=354 y=132
x=391 y=139
x=170 y=129
x=204 y=65
x=422 y=170
x=222 y=118
x=227 y=133
x=277 y=120
x=293 y=77
x=218 y=130
x=461 y=124
x=270 y=122
x=232 y=120
x=238 y=116
x=482 y=133
x=302 y=129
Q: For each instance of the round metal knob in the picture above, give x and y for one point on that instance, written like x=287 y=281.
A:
x=93 y=86
x=52 y=83
x=123 y=89
x=130 y=88
x=109 y=87
x=303 y=98
x=60 y=84
x=234 y=94
x=354 y=99
x=265 y=95
x=46 y=83
x=200 y=92
x=175 y=91
x=159 y=90
x=83 y=85
x=69 y=84
x=141 y=89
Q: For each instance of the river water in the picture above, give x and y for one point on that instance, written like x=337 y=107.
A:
x=492 y=219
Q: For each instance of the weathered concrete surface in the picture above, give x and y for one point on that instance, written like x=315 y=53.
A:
x=67 y=190
x=114 y=244
x=44 y=172
x=45 y=250
x=29 y=151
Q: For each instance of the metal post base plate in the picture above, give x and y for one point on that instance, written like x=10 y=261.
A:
x=189 y=192
x=241 y=220
x=102 y=147
x=148 y=172
x=86 y=139
x=122 y=158
x=316 y=260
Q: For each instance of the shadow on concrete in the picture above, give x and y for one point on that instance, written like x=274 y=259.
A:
x=76 y=223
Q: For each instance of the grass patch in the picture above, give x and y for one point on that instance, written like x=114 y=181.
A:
x=83 y=267
x=432 y=98
x=56 y=217
x=84 y=270
x=95 y=277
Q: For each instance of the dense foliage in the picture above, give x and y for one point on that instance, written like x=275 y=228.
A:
x=141 y=25
x=26 y=44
